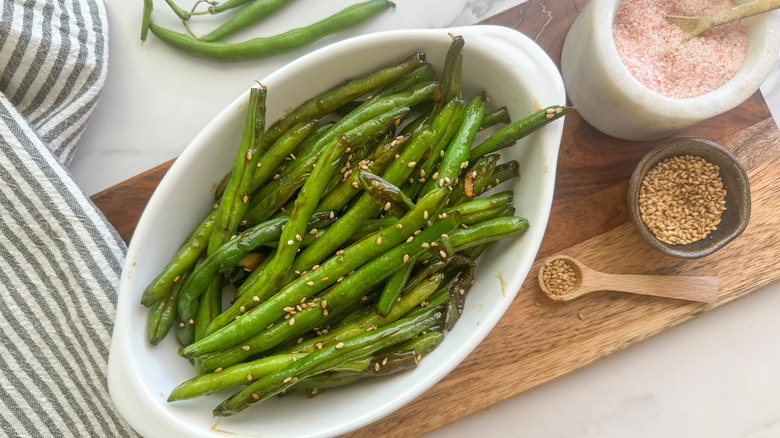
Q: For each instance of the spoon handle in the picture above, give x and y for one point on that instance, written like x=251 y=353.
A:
x=700 y=289
x=745 y=10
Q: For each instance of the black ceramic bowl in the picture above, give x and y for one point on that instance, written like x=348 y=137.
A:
x=733 y=220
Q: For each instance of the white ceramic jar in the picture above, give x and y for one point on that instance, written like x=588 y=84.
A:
x=609 y=98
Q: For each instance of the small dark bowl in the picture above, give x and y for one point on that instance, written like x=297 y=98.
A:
x=733 y=220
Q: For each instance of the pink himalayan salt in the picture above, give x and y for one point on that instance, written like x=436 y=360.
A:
x=651 y=48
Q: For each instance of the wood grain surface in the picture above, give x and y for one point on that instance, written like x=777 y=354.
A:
x=539 y=339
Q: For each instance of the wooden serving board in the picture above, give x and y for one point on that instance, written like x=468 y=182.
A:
x=538 y=339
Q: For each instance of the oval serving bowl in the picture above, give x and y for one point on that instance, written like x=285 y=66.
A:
x=514 y=72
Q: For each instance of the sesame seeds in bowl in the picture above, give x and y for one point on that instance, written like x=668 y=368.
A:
x=689 y=198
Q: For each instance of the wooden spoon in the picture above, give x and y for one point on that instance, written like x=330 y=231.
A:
x=691 y=288
x=694 y=25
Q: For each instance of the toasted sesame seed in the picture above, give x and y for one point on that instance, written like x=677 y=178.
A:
x=384 y=361
x=464 y=164
x=176 y=279
x=340 y=280
x=388 y=205
x=242 y=308
x=425 y=214
x=245 y=347
x=249 y=376
x=315 y=267
x=292 y=321
x=318 y=345
x=249 y=154
x=379 y=240
x=287 y=379
x=325 y=312
x=443 y=254
x=355 y=184
x=412 y=163
x=218 y=370
x=425 y=245
x=406 y=258
x=435 y=175
x=409 y=240
x=310 y=283
x=340 y=252
x=417 y=232
x=290 y=242
x=324 y=304
x=340 y=345
x=276 y=176
x=376 y=366
x=399 y=226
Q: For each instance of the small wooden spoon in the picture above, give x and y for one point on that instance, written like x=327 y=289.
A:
x=691 y=288
x=694 y=25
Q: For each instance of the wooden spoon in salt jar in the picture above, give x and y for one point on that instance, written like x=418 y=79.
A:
x=694 y=25
x=586 y=280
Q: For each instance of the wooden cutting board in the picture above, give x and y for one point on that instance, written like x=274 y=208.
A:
x=538 y=339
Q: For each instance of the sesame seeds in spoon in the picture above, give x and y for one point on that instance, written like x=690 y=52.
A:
x=563 y=278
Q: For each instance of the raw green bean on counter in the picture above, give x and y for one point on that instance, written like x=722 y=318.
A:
x=247 y=16
x=262 y=47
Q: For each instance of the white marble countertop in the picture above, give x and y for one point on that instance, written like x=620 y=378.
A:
x=716 y=376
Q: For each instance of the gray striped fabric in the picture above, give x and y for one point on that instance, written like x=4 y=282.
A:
x=60 y=260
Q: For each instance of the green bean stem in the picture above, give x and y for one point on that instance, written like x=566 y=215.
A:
x=450 y=82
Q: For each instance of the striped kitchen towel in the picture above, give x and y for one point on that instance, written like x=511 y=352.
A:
x=60 y=260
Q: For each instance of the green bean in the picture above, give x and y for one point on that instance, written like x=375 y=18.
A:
x=487 y=231
x=247 y=16
x=456 y=155
x=498 y=116
x=392 y=289
x=234 y=200
x=236 y=375
x=263 y=47
x=365 y=343
x=450 y=82
x=385 y=194
x=281 y=149
x=183 y=261
x=445 y=125
x=479 y=210
x=254 y=276
x=185 y=331
x=163 y=312
x=328 y=101
x=460 y=284
x=423 y=73
x=508 y=135
x=146 y=18
x=313 y=282
x=209 y=306
x=216 y=8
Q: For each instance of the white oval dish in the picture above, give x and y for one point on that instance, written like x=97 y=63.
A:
x=513 y=70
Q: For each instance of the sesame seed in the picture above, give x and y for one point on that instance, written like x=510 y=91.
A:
x=249 y=376
x=310 y=283
x=325 y=312
x=287 y=379
x=425 y=245
x=376 y=366
x=315 y=267
x=218 y=370
x=412 y=163
x=276 y=176
x=249 y=154
x=406 y=258
x=176 y=279
x=378 y=240
x=464 y=164
x=397 y=156
x=355 y=184
x=332 y=214
x=417 y=232
x=325 y=278
x=388 y=205
x=435 y=175
x=443 y=254
x=340 y=252
x=409 y=240
x=292 y=321
x=384 y=361
x=215 y=206
x=340 y=345
x=242 y=308
x=324 y=304
x=340 y=280
x=245 y=348
x=290 y=242
x=318 y=345
x=425 y=214
x=399 y=226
